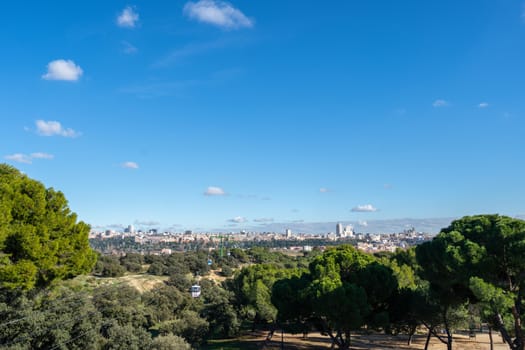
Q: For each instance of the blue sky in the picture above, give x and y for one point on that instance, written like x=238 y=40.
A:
x=228 y=115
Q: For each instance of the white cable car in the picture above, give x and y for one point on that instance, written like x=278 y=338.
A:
x=195 y=291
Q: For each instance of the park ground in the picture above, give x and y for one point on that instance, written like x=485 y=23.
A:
x=360 y=342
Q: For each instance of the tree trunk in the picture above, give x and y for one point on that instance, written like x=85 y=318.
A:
x=504 y=334
x=490 y=338
x=449 y=339
x=447 y=329
x=348 y=339
x=519 y=341
x=411 y=335
x=428 y=338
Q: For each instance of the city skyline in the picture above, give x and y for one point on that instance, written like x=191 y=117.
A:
x=231 y=115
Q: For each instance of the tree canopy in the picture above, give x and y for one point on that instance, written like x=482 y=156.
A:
x=40 y=238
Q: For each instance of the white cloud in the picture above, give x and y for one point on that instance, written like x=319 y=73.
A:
x=219 y=13
x=440 y=103
x=128 y=48
x=19 y=158
x=483 y=105
x=63 y=70
x=52 y=128
x=214 y=191
x=41 y=155
x=366 y=208
x=238 y=220
x=128 y=18
x=129 y=165
x=324 y=190
x=28 y=158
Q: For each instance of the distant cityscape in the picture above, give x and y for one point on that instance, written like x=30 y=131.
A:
x=156 y=242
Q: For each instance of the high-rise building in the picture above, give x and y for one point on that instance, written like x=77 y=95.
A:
x=349 y=231
x=288 y=233
x=339 y=230
x=131 y=229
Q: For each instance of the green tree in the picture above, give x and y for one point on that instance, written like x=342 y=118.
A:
x=169 y=342
x=109 y=266
x=489 y=248
x=252 y=288
x=188 y=325
x=219 y=311
x=293 y=303
x=125 y=337
x=40 y=239
x=501 y=268
x=343 y=281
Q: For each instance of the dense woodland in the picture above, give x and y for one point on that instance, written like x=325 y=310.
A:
x=57 y=293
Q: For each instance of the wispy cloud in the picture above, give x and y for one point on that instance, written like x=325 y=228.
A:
x=324 y=190
x=19 y=158
x=214 y=191
x=160 y=89
x=218 y=13
x=63 y=70
x=54 y=128
x=146 y=223
x=188 y=50
x=483 y=105
x=263 y=220
x=363 y=223
x=238 y=220
x=440 y=103
x=366 y=208
x=28 y=158
x=128 y=18
x=129 y=165
x=41 y=155
x=128 y=48
x=117 y=227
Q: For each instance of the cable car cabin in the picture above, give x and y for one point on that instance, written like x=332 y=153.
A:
x=195 y=291
x=210 y=262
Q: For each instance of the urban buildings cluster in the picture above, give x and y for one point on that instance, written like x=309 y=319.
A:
x=345 y=234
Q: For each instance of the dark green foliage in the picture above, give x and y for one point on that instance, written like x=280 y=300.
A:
x=181 y=282
x=109 y=266
x=169 y=342
x=125 y=337
x=252 y=288
x=157 y=268
x=227 y=271
x=219 y=311
x=479 y=259
x=132 y=262
x=44 y=321
x=162 y=304
x=40 y=239
x=188 y=325
x=344 y=290
x=120 y=304
x=240 y=255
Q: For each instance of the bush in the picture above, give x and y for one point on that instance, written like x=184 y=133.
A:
x=169 y=342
